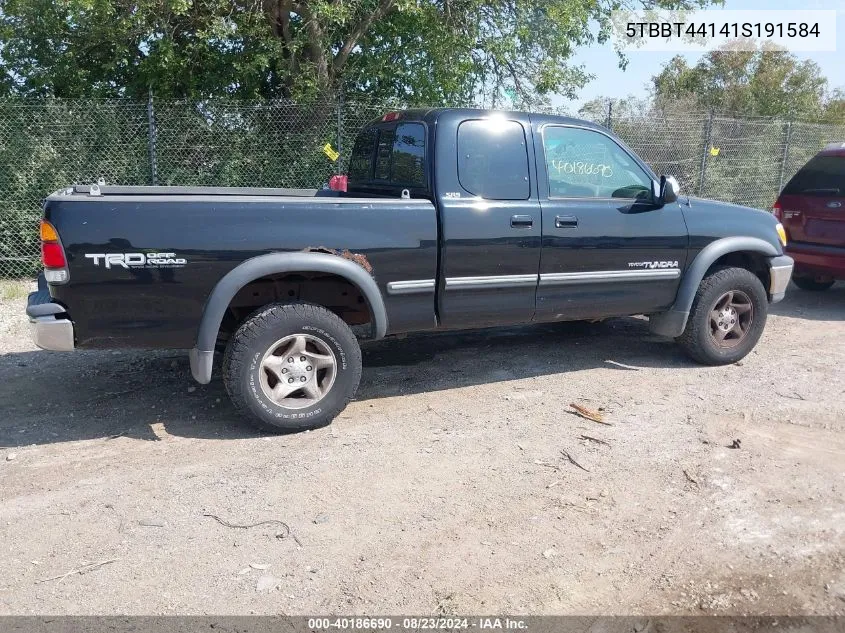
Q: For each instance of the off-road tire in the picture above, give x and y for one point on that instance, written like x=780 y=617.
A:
x=809 y=283
x=697 y=340
x=257 y=335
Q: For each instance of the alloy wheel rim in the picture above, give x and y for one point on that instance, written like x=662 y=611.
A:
x=731 y=318
x=297 y=371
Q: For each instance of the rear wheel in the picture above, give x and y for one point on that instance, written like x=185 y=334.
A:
x=727 y=317
x=292 y=367
x=815 y=284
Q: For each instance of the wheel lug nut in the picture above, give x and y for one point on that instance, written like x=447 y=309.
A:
x=302 y=379
x=302 y=358
x=284 y=370
x=290 y=359
x=290 y=379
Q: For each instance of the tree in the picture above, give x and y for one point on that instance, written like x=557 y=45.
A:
x=834 y=107
x=626 y=107
x=767 y=82
x=424 y=51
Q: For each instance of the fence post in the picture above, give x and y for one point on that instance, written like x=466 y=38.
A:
x=151 y=139
x=787 y=137
x=340 y=104
x=339 y=129
x=708 y=131
x=609 y=121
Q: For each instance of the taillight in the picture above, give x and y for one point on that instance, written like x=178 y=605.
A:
x=52 y=255
x=390 y=116
x=777 y=210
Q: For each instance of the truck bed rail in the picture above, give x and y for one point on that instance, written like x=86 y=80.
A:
x=132 y=190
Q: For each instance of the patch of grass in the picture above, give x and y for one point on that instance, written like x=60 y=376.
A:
x=13 y=289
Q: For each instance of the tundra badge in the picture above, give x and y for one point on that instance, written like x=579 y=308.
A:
x=666 y=264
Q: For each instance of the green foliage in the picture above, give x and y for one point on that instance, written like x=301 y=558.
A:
x=768 y=82
x=48 y=146
x=14 y=290
x=424 y=51
x=56 y=143
x=600 y=108
x=106 y=48
x=754 y=94
x=744 y=160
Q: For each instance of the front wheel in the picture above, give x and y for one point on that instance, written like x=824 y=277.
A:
x=727 y=317
x=292 y=367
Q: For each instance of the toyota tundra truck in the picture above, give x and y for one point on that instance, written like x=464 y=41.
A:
x=451 y=219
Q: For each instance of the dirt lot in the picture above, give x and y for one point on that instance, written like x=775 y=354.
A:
x=443 y=488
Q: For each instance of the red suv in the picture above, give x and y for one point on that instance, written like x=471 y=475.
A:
x=812 y=210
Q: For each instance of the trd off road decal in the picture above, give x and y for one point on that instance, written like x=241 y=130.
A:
x=137 y=260
x=650 y=265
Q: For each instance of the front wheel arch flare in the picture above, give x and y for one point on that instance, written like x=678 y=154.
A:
x=673 y=321
x=276 y=263
x=706 y=258
x=708 y=255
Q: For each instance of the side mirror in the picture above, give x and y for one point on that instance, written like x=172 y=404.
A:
x=669 y=190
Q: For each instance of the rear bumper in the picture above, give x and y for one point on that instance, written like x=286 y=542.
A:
x=812 y=259
x=50 y=325
x=780 y=272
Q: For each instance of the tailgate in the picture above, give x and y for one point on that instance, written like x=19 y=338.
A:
x=813 y=202
x=815 y=219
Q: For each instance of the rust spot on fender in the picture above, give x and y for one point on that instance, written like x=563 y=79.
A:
x=358 y=258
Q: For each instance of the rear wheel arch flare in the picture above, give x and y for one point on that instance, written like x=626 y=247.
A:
x=277 y=263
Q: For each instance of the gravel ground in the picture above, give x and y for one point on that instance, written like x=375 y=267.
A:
x=445 y=488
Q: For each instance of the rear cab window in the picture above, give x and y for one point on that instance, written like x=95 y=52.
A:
x=822 y=176
x=387 y=158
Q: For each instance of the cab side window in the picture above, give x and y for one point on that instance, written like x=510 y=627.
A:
x=361 y=161
x=384 y=154
x=409 y=155
x=584 y=163
x=493 y=159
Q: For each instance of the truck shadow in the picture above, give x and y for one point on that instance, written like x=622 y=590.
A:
x=449 y=360
x=58 y=397
x=63 y=397
x=827 y=305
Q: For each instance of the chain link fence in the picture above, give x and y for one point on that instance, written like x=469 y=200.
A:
x=48 y=145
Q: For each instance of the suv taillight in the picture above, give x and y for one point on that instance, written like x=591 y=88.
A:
x=53 y=255
x=777 y=210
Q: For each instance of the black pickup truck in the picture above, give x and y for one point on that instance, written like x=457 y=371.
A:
x=452 y=219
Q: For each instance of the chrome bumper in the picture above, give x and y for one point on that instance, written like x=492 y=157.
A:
x=780 y=272
x=52 y=334
x=51 y=328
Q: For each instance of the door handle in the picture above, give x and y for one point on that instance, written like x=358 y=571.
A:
x=566 y=222
x=522 y=221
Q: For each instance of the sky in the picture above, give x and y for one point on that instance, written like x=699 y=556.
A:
x=611 y=81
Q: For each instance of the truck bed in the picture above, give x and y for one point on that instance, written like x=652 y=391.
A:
x=208 y=231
